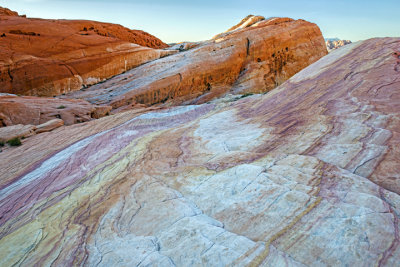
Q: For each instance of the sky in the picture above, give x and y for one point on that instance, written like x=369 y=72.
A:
x=190 y=20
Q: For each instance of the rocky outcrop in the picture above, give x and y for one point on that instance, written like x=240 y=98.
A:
x=141 y=38
x=251 y=59
x=23 y=131
x=16 y=131
x=49 y=126
x=306 y=175
x=38 y=110
x=248 y=21
x=332 y=44
x=50 y=57
x=7 y=12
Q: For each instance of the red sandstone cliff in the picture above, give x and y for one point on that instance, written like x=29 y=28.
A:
x=255 y=56
x=49 y=57
x=7 y=12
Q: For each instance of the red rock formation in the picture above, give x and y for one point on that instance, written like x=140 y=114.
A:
x=49 y=57
x=7 y=12
x=253 y=58
x=38 y=110
x=115 y=31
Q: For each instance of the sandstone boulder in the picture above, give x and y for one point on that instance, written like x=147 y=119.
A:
x=253 y=58
x=50 y=57
x=49 y=126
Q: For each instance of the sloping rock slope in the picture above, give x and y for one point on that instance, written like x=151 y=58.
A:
x=256 y=56
x=49 y=57
x=37 y=110
x=307 y=175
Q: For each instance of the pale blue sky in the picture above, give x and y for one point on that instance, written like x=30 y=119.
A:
x=190 y=20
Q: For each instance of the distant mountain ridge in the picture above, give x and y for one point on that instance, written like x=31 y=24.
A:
x=335 y=43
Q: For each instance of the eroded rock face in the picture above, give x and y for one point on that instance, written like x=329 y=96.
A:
x=7 y=12
x=255 y=57
x=50 y=57
x=38 y=110
x=307 y=175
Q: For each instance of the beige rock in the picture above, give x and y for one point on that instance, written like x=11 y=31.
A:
x=16 y=131
x=248 y=21
x=49 y=126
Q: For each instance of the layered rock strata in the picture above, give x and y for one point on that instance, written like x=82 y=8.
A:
x=7 y=12
x=307 y=175
x=256 y=56
x=23 y=131
x=50 y=57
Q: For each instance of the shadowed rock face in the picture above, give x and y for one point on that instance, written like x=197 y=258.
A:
x=307 y=175
x=49 y=57
x=257 y=56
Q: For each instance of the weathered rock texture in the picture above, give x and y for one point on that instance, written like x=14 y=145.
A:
x=37 y=110
x=184 y=46
x=336 y=43
x=23 y=131
x=7 y=12
x=255 y=58
x=248 y=21
x=49 y=57
x=16 y=131
x=307 y=175
x=49 y=126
